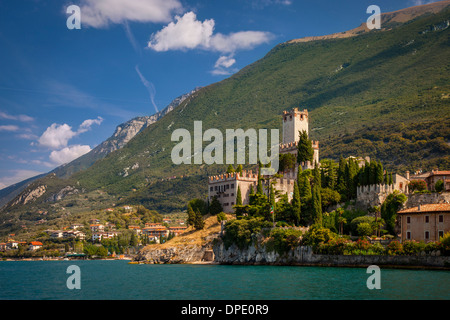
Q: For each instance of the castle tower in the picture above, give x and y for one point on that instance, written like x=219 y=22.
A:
x=293 y=122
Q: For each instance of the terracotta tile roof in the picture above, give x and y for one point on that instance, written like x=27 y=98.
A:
x=36 y=243
x=438 y=173
x=439 y=207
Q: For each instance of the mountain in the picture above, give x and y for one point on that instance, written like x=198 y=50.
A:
x=382 y=94
x=123 y=133
x=388 y=20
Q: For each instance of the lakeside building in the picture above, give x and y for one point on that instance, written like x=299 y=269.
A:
x=427 y=222
x=225 y=186
x=432 y=177
x=35 y=245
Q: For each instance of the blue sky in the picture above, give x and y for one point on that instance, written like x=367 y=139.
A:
x=62 y=92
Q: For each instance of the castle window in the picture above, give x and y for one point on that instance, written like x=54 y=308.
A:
x=440 y=233
x=441 y=218
x=215 y=188
x=232 y=186
x=211 y=189
x=408 y=219
x=427 y=235
x=408 y=235
x=427 y=219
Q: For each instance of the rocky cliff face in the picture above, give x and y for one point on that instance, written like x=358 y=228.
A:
x=258 y=254
x=177 y=254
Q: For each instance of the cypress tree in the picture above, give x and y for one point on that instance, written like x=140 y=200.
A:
x=239 y=197
x=316 y=205
x=373 y=172
x=191 y=216
x=252 y=191
x=272 y=196
x=316 y=176
x=296 y=204
x=305 y=152
x=239 y=168
x=304 y=189
x=230 y=169
x=199 y=223
x=379 y=173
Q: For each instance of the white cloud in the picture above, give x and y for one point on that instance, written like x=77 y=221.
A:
x=68 y=154
x=101 y=13
x=17 y=176
x=20 y=117
x=189 y=33
x=58 y=135
x=186 y=33
x=87 y=124
x=225 y=61
x=223 y=64
x=10 y=128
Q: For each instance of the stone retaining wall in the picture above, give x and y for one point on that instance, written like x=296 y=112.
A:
x=304 y=256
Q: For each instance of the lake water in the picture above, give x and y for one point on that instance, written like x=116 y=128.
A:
x=110 y=280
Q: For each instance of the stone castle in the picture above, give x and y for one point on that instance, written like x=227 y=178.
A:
x=225 y=186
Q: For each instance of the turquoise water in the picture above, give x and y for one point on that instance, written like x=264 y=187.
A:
x=109 y=280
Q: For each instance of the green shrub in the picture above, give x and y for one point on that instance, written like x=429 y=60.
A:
x=283 y=240
x=394 y=248
x=317 y=235
x=412 y=247
x=242 y=232
x=364 y=229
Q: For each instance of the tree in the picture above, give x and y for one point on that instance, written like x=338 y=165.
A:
x=191 y=216
x=239 y=168
x=230 y=169
x=215 y=207
x=199 y=223
x=304 y=188
x=364 y=229
x=390 y=207
x=379 y=175
x=341 y=220
x=221 y=216
x=239 y=197
x=317 y=179
x=199 y=204
x=439 y=186
x=305 y=152
x=296 y=204
x=286 y=161
x=316 y=205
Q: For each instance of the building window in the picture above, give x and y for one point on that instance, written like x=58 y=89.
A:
x=427 y=235
x=232 y=203
x=227 y=187
x=440 y=233
x=211 y=189
x=441 y=218
x=215 y=188
x=232 y=186
x=408 y=219
x=408 y=235
x=427 y=219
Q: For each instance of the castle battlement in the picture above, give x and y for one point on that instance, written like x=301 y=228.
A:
x=245 y=175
